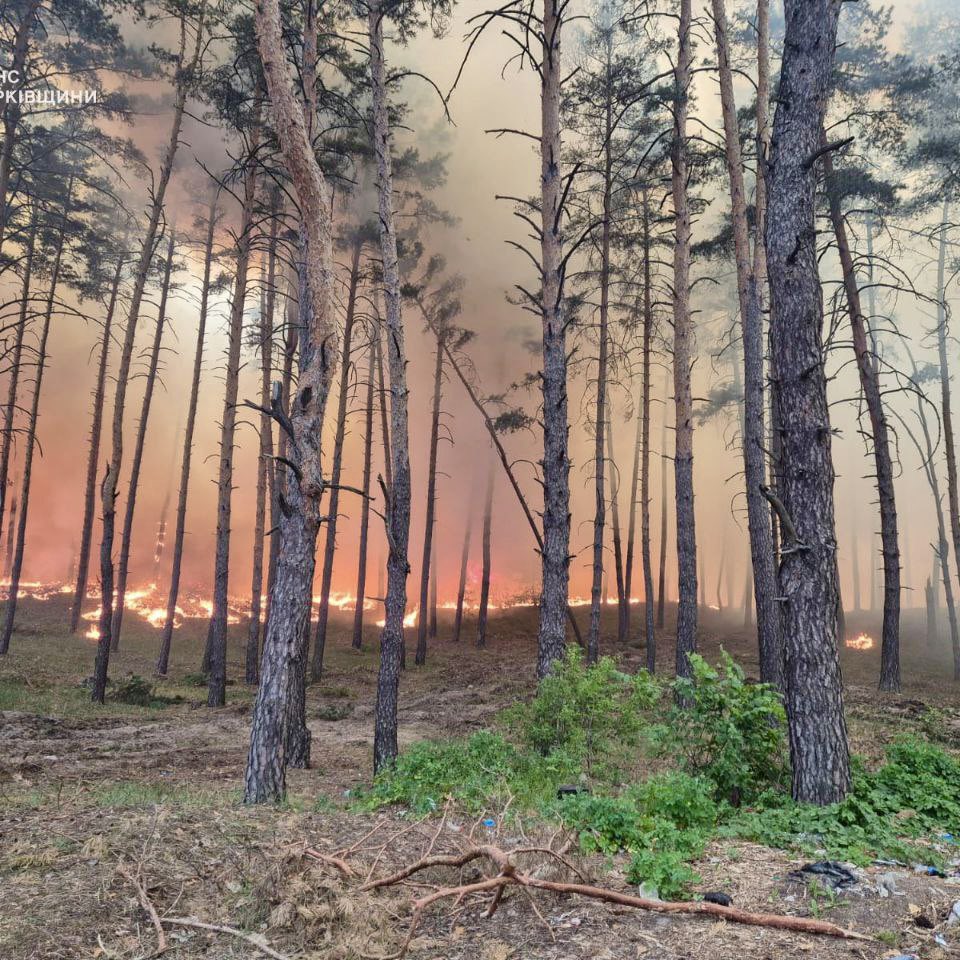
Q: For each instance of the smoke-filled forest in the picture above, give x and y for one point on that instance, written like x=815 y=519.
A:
x=479 y=482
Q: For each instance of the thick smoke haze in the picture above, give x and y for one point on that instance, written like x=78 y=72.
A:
x=480 y=166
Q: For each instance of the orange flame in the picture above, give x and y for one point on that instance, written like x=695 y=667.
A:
x=860 y=642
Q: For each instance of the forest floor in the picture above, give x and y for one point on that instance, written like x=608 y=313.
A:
x=94 y=800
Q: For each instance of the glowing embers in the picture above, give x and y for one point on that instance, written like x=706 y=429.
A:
x=860 y=642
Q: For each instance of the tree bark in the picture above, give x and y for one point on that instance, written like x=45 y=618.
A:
x=108 y=489
x=600 y=412
x=644 y=416
x=10 y=409
x=814 y=694
x=93 y=457
x=265 y=453
x=682 y=358
x=365 y=506
x=430 y=505
x=880 y=434
x=126 y=535
x=31 y=439
x=751 y=320
x=166 y=637
x=397 y=494
x=555 y=555
x=662 y=567
x=486 y=562
x=330 y=548
x=284 y=648
x=946 y=410
x=622 y=596
x=217 y=685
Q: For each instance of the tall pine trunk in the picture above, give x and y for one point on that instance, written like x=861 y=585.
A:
x=883 y=461
x=430 y=506
x=281 y=682
x=814 y=695
x=265 y=451
x=555 y=555
x=644 y=414
x=622 y=597
x=126 y=535
x=751 y=320
x=946 y=409
x=108 y=489
x=330 y=548
x=217 y=686
x=486 y=561
x=600 y=411
x=662 y=565
x=93 y=456
x=397 y=490
x=362 y=548
x=682 y=357
x=166 y=637
x=10 y=409
x=462 y=579
x=16 y=568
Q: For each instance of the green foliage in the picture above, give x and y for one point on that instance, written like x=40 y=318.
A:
x=727 y=730
x=914 y=794
x=134 y=690
x=726 y=743
x=589 y=714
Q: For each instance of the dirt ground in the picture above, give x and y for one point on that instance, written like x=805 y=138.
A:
x=94 y=801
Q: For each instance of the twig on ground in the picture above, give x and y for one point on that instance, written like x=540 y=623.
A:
x=232 y=931
x=151 y=910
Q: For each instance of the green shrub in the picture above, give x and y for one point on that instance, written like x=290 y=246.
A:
x=726 y=730
x=592 y=715
x=678 y=798
x=135 y=691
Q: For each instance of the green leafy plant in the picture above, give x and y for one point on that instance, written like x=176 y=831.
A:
x=726 y=730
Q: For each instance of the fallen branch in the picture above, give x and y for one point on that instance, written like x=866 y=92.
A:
x=509 y=875
x=254 y=941
x=151 y=910
x=337 y=862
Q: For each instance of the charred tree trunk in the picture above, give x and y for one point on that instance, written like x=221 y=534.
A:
x=434 y=590
x=166 y=637
x=662 y=569
x=751 y=319
x=486 y=567
x=284 y=646
x=217 y=686
x=16 y=567
x=397 y=494
x=649 y=634
x=431 y=502
x=632 y=516
x=265 y=455
x=126 y=535
x=556 y=460
x=365 y=506
x=96 y=428
x=946 y=409
x=11 y=537
x=10 y=409
x=108 y=489
x=622 y=597
x=879 y=432
x=330 y=548
x=462 y=581
x=683 y=359
x=600 y=412
x=814 y=694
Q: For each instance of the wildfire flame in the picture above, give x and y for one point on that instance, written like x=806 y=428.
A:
x=860 y=642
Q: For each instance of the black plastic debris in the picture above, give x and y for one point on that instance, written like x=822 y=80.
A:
x=834 y=875
x=570 y=790
x=719 y=898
